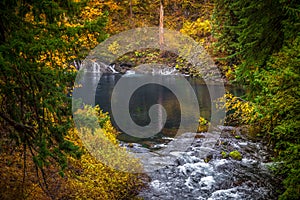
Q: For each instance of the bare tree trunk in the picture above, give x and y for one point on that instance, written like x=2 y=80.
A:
x=131 y=20
x=161 y=24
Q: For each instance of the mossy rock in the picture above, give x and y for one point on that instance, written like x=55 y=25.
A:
x=238 y=137
x=199 y=136
x=251 y=131
x=224 y=154
x=130 y=145
x=236 y=155
x=208 y=158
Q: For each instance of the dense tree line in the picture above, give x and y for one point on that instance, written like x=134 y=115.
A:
x=261 y=41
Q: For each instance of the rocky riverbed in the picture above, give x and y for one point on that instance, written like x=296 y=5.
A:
x=208 y=172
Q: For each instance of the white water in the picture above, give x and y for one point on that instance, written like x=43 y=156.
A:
x=112 y=68
x=165 y=71
x=191 y=177
x=95 y=67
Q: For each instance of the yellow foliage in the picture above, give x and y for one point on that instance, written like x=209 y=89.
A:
x=239 y=110
x=29 y=17
x=229 y=71
x=13 y=184
x=113 y=6
x=95 y=180
x=198 y=29
x=114 y=47
x=85 y=178
x=93 y=10
x=203 y=125
x=85 y=40
x=103 y=162
x=202 y=121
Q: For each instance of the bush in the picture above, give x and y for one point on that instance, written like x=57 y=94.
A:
x=84 y=177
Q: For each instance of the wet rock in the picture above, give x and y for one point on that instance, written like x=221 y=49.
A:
x=199 y=136
x=122 y=67
x=130 y=145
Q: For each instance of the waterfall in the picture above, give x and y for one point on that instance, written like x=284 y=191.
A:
x=77 y=64
x=112 y=68
x=99 y=67
x=96 y=67
x=165 y=71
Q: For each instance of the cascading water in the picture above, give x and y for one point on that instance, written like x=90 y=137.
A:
x=92 y=66
x=95 y=67
x=155 y=70
x=112 y=68
x=165 y=71
x=77 y=64
x=212 y=177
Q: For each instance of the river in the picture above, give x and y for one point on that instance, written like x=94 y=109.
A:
x=192 y=174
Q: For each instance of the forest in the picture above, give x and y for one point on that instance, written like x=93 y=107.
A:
x=254 y=44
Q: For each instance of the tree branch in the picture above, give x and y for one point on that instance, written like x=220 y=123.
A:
x=18 y=126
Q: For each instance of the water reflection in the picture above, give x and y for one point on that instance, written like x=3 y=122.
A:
x=146 y=96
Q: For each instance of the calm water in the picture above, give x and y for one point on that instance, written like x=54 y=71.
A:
x=146 y=96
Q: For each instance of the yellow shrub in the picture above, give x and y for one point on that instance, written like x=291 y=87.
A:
x=198 y=29
x=203 y=125
x=229 y=72
x=238 y=110
x=103 y=163
x=86 y=177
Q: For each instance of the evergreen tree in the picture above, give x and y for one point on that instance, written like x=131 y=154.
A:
x=38 y=40
x=251 y=31
x=262 y=37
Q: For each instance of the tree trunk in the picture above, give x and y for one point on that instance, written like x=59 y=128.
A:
x=161 y=24
x=131 y=20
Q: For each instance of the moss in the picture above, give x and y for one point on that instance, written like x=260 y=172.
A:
x=203 y=125
x=238 y=137
x=236 y=155
x=224 y=154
